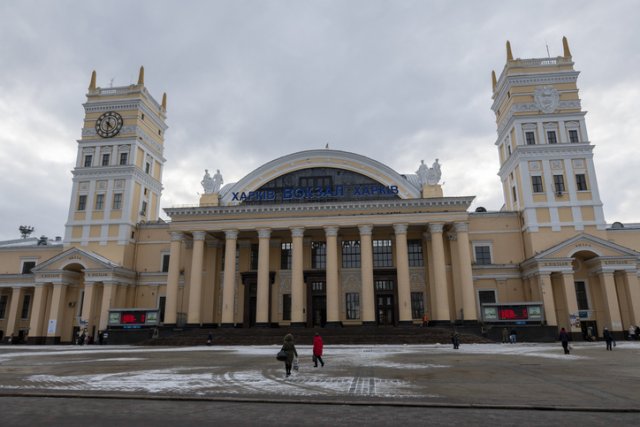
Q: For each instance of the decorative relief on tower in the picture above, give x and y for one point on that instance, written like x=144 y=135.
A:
x=350 y=281
x=101 y=185
x=557 y=165
x=84 y=186
x=118 y=184
x=416 y=279
x=546 y=99
x=534 y=166
x=578 y=163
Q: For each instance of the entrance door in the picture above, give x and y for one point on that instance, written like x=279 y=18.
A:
x=317 y=303
x=250 y=303
x=385 y=309
x=589 y=330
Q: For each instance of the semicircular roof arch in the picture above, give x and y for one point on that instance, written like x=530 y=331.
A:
x=328 y=158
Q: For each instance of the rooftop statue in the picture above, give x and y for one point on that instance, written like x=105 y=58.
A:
x=211 y=184
x=429 y=175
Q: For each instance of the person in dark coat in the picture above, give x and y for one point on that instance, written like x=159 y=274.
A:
x=289 y=348
x=608 y=337
x=455 y=340
x=564 y=339
x=317 y=350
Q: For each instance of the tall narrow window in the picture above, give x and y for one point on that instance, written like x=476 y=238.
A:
x=551 y=137
x=382 y=253
x=162 y=302
x=124 y=158
x=26 y=304
x=573 y=136
x=82 y=202
x=117 y=201
x=558 y=182
x=318 y=255
x=147 y=168
x=530 y=138
x=416 y=257
x=352 y=305
x=417 y=305
x=581 y=296
x=536 y=184
x=143 y=211
x=3 y=305
x=581 y=182
x=27 y=266
x=88 y=159
x=105 y=159
x=286 y=307
x=285 y=256
x=514 y=193
x=99 y=202
x=165 y=262
x=350 y=253
x=254 y=257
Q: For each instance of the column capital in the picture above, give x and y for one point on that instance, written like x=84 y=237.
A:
x=199 y=235
x=231 y=234
x=176 y=236
x=297 y=232
x=264 y=233
x=452 y=236
x=331 y=231
x=435 y=227
x=461 y=227
x=400 y=228
x=365 y=230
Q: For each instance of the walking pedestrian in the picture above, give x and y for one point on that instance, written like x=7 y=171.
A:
x=317 y=350
x=564 y=339
x=505 y=336
x=513 y=335
x=455 y=340
x=637 y=332
x=632 y=332
x=608 y=337
x=289 y=348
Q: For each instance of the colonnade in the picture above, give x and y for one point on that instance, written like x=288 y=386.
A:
x=441 y=311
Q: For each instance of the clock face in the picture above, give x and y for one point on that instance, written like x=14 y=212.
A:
x=109 y=124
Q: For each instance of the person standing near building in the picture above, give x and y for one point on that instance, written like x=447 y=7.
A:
x=513 y=336
x=289 y=348
x=632 y=332
x=505 y=336
x=455 y=340
x=317 y=350
x=608 y=337
x=564 y=339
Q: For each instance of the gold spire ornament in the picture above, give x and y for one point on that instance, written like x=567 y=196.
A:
x=164 y=101
x=494 y=81
x=509 y=54
x=565 y=47
x=92 y=84
x=141 y=76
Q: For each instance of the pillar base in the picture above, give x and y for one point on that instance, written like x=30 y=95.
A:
x=298 y=325
x=52 y=340
x=262 y=325
x=36 y=340
x=333 y=325
x=227 y=325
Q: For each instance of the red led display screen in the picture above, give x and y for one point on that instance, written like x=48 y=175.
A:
x=133 y=317
x=514 y=312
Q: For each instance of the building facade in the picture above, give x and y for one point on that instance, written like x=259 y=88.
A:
x=328 y=238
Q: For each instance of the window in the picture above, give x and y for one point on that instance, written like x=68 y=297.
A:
x=143 y=211
x=350 y=253
x=88 y=159
x=383 y=285
x=27 y=266
x=530 y=138
x=581 y=182
x=487 y=297
x=3 y=305
x=285 y=256
x=315 y=181
x=117 y=201
x=165 y=263
x=124 y=158
x=99 y=202
x=573 y=136
x=254 y=257
x=353 y=305
x=105 y=159
x=483 y=254
x=147 y=167
x=224 y=253
x=514 y=193
x=382 y=253
x=536 y=184
x=286 y=307
x=416 y=258
x=26 y=303
x=162 y=302
x=551 y=137
x=82 y=202
x=581 y=296
x=417 y=305
x=318 y=255
x=558 y=182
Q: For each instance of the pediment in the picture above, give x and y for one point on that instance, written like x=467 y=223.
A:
x=587 y=243
x=75 y=256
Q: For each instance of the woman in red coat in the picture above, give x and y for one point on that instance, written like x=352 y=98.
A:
x=317 y=350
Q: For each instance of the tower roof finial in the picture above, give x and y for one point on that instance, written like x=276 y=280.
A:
x=494 y=81
x=92 y=84
x=141 y=76
x=565 y=47
x=164 y=101
x=509 y=54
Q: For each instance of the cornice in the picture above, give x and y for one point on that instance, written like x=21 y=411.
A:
x=544 y=151
x=117 y=172
x=507 y=82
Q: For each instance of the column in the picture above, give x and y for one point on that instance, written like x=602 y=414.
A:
x=37 y=314
x=611 y=301
x=194 y=312
x=229 y=281
x=366 y=271
x=442 y=312
x=466 y=275
x=262 y=292
x=56 y=313
x=546 y=293
x=107 y=296
x=171 y=303
x=569 y=288
x=333 y=293
x=402 y=266
x=12 y=317
x=297 y=277
x=210 y=294
x=633 y=291
x=87 y=305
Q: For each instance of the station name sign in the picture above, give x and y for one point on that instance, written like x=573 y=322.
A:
x=316 y=193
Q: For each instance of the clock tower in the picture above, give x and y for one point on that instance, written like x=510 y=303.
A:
x=117 y=179
x=546 y=157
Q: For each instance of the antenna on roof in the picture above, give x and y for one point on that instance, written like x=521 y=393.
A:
x=111 y=82
x=547 y=45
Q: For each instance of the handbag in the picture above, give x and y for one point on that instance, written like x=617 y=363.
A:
x=295 y=364
x=281 y=356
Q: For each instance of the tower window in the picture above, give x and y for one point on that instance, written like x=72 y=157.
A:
x=82 y=202
x=573 y=136
x=27 y=266
x=165 y=263
x=124 y=158
x=483 y=254
x=99 y=202
x=105 y=159
x=514 y=193
x=88 y=159
x=117 y=201
x=143 y=211
x=536 y=184
x=147 y=167
x=581 y=182
x=530 y=138
x=551 y=137
x=558 y=182
x=142 y=116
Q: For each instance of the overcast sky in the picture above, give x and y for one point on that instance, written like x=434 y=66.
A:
x=250 y=81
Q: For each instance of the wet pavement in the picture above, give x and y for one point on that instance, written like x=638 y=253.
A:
x=526 y=383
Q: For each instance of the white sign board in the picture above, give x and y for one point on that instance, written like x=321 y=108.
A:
x=52 y=326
